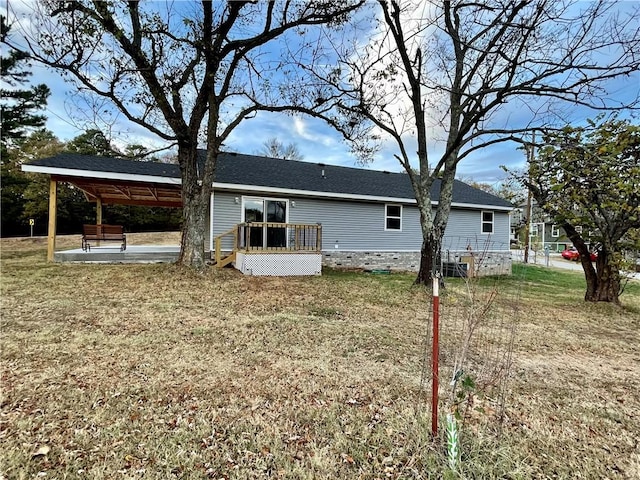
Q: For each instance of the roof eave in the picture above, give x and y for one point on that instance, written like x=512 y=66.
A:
x=342 y=196
x=70 y=172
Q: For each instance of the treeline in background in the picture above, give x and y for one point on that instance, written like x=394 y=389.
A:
x=25 y=196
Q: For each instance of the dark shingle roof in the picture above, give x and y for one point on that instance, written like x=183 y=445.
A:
x=241 y=169
x=94 y=163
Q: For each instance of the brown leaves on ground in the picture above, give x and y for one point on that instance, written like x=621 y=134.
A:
x=151 y=371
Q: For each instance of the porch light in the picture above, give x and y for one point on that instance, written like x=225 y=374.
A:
x=237 y=200
x=293 y=203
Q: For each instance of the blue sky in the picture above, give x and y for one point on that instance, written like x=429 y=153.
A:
x=315 y=140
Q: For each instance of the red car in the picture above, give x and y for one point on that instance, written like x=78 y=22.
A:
x=573 y=254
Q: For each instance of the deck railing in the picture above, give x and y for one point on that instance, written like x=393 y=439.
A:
x=267 y=237
x=280 y=237
x=220 y=261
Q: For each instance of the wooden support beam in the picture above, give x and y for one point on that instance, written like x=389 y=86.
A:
x=98 y=211
x=98 y=215
x=124 y=191
x=53 y=207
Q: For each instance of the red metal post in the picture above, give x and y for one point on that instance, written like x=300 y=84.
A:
x=434 y=356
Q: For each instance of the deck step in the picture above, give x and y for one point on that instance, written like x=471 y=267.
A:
x=226 y=260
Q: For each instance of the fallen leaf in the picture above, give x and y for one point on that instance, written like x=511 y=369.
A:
x=347 y=458
x=42 y=451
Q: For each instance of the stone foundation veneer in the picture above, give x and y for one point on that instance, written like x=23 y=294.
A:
x=496 y=262
x=397 y=261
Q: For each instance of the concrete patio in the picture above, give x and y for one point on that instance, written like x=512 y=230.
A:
x=112 y=254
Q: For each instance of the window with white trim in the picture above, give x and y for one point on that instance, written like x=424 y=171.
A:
x=555 y=231
x=487 y=221
x=393 y=217
x=534 y=230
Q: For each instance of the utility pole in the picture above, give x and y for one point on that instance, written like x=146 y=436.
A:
x=527 y=228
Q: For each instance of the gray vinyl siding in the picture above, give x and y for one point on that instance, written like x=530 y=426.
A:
x=226 y=214
x=360 y=226
x=464 y=230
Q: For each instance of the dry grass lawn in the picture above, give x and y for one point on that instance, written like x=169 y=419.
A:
x=150 y=371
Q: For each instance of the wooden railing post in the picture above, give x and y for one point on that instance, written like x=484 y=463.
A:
x=218 y=248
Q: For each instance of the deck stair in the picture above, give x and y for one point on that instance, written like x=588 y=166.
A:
x=222 y=259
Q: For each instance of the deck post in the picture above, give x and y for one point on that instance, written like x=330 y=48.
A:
x=98 y=216
x=99 y=211
x=51 y=230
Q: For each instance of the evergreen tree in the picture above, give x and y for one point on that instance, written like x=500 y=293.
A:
x=18 y=109
x=18 y=106
x=93 y=142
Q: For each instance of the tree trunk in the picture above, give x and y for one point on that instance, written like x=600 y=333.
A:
x=603 y=281
x=604 y=286
x=195 y=202
x=591 y=276
x=194 y=225
x=429 y=258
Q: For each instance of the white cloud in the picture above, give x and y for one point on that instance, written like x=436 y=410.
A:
x=316 y=141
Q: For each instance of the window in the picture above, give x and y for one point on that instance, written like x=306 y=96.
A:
x=555 y=231
x=579 y=229
x=487 y=222
x=393 y=217
x=534 y=230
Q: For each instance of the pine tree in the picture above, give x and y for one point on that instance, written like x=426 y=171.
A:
x=18 y=107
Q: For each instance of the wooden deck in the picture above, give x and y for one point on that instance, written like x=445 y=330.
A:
x=271 y=248
x=265 y=237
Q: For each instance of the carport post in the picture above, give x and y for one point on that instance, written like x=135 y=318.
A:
x=99 y=211
x=98 y=216
x=53 y=204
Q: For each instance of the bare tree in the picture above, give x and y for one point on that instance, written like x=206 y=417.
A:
x=187 y=72
x=444 y=75
x=276 y=149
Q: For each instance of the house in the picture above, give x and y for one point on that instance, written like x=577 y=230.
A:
x=544 y=233
x=264 y=209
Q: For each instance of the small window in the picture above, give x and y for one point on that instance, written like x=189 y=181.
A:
x=487 y=222
x=555 y=231
x=579 y=229
x=534 y=230
x=393 y=217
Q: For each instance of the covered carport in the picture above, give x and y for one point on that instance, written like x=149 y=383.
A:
x=104 y=181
